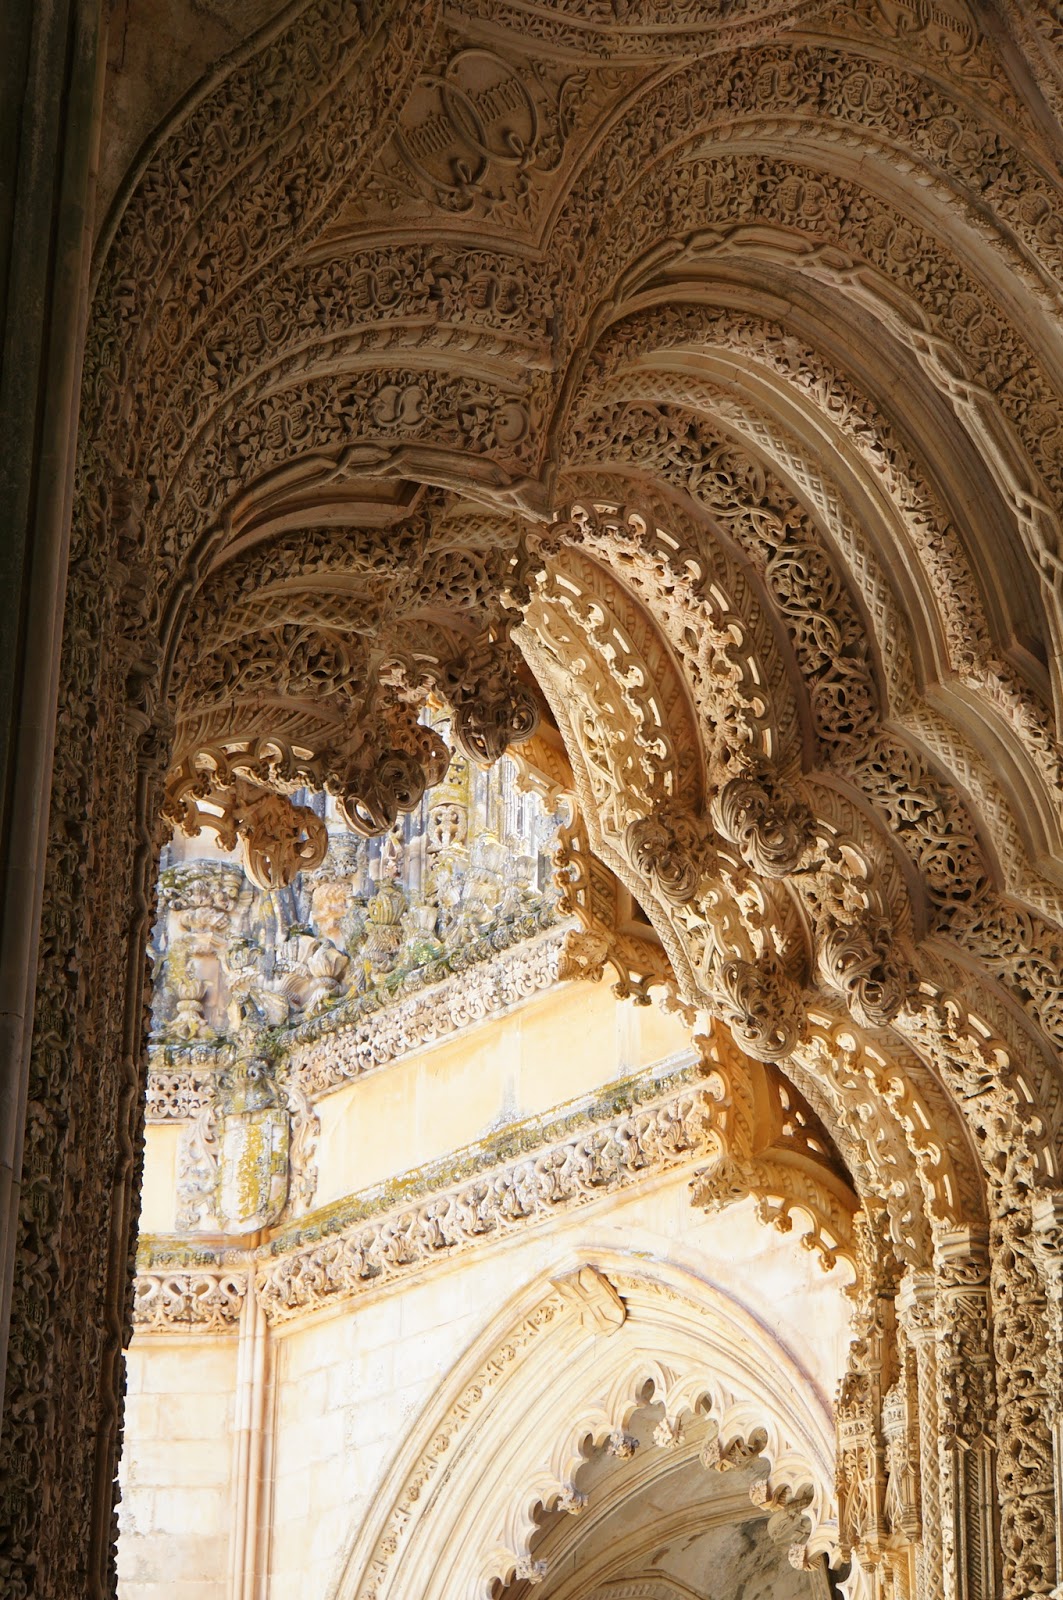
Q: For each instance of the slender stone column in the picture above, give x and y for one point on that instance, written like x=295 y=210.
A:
x=249 y=1442
x=1024 y=1454
x=916 y=1310
x=50 y=96
x=966 y=1409
x=1048 y=1238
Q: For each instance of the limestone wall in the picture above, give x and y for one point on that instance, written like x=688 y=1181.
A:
x=176 y=1510
x=351 y=1386
x=256 y=1464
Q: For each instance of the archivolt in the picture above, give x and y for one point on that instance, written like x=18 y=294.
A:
x=570 y=1359
x=830 y=815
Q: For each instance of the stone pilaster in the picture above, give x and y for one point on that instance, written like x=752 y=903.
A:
x=916 y=1314
x=966 y=1409
x=1048 y=1238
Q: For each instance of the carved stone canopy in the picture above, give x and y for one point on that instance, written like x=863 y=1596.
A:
x=310 y=665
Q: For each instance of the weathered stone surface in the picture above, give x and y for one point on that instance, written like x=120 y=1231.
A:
x=673 y=393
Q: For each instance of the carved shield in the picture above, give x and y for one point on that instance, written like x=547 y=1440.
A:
x=253 y=1169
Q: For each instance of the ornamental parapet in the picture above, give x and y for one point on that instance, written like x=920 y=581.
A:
x=485 y=977
x=461 y=880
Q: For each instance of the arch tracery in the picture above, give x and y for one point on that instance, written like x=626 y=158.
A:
x=752 y=566
x=571 y=1362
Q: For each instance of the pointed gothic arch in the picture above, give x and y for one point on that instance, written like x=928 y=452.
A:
x=791 y=276
x=567 y=1360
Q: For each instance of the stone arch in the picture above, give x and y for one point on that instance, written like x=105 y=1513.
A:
x=568 y=1359
x=769 y=392
x=222 y=396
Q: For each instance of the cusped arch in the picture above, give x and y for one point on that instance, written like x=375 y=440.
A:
x=569 y=1358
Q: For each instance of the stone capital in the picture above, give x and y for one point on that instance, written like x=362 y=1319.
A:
x=961 y=1254
x=915 y=1305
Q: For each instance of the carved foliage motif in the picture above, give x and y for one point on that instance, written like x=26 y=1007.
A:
x=909 y=191
x=295 y=1273
x=772 y=1145
x=350 y=696
x=610 y=1156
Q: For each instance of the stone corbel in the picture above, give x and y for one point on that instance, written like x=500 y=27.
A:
x=587 y=888
x=621 y=1445
x=788 y=1523
x=583 y=956
x=571 y=1501
x=599 y=1307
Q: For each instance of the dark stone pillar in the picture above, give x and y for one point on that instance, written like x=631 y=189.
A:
x=50 y=95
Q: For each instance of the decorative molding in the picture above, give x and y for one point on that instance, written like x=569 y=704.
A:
x=602 y=1381
x=352 y=1039
x=189 y=1301
x=650 y=1139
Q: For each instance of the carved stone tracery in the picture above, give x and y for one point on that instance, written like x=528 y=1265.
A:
x=825 y=763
